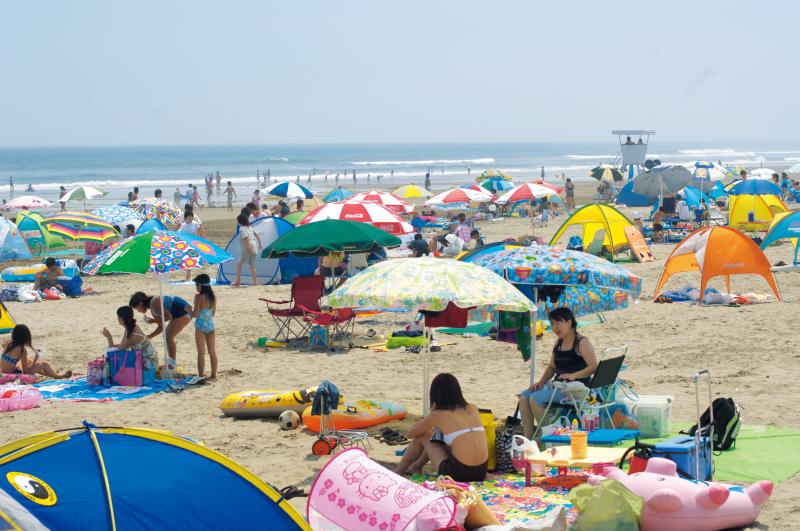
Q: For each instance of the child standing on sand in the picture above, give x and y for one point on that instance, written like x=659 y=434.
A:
x=249 y=247
x=230 y=193
x=205 y=306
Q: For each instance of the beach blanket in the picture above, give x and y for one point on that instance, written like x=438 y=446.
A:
x=513 y=503
x=77 y=390
x=691 y=295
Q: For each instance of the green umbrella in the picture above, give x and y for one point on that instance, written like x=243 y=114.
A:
x=295 y=217
x=604 y=172
x=330 y=235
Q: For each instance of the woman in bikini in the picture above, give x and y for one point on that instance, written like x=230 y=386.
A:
x=14 y=359
x=133 y=338
x=177 y=314
x=451 y=436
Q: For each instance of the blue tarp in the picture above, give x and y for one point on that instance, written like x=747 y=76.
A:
x=630 y=198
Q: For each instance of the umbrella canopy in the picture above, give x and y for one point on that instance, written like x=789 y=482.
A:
x=28 y=202
x=295 y=217
x=158 y=252
x=337 y=194
x=706 y=171
x=794 y=168
x=412 y=191
x=763 y=173
x=118 y=215
x=493 y=174
x=661 y=180
x=160 y=209
x=460 y=195
x=80 y=226
x=556 y=189
x=755 y=187
x=331 y=235
x=83 y=478
x=496 y=184
x=288 y=189
x=525 y=192
x=390 y=201
x=351 y=210
x=82 y=193
x=694 y=197
x=606 y=172
x=589 y=284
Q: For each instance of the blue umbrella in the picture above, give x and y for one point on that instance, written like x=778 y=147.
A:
x=496 y=184
x=288 y=189
x=755 y=187
x=694 y=197
x=337 y=194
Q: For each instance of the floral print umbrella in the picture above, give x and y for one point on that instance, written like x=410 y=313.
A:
x=590 y=284
x=117 y=215
x=165 y=211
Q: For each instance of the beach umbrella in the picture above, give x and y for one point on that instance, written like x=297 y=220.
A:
x=351 y=210
x=475 y=187
x=493 y=174
x=28 y=202
x=755 y=187
x=82 y=193
x=666 y=179
x=411 y=191
x=390 y=201
x=162 y=209
x=556 y=189
x=460 y=195
x=118 y=215
x=159 y=252
x=794 y=168
x=330 y=235
x=288 y=189
x=706 y=171
x=525 y=192
x=606 y=172
x=295 y=217
x=337 y=194
x=762 y=173
x=80 y=226
x=496 y=184
x=427 y=284
x=97 y=478
x=694 y=197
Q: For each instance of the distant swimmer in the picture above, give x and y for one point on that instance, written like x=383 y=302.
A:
x=29 y=188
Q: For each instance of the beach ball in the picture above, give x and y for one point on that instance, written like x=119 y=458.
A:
x=289 y=420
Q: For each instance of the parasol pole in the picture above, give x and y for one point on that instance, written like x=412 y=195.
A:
x=161 y=278
x=534 y=326
x=426 y=355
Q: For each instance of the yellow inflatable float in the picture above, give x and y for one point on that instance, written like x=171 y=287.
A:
x=266 y=403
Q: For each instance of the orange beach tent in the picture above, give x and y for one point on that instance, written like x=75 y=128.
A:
x=718 y=251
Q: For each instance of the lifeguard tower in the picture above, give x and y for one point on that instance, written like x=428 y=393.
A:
x=632 y=149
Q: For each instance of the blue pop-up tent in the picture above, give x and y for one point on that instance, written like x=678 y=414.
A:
x=784 y=225
x=630 y=198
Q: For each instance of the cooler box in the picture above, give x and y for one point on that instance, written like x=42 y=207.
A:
x=653 y=413
x=683 y=452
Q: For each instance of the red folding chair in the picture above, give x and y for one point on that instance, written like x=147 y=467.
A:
x=306 y=293
x=340 y=323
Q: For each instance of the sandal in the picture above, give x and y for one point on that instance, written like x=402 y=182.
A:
x=394 y=438
x=291 y=491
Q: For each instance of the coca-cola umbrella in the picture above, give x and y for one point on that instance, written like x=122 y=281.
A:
x=386 y=199
x=350 y=210
x=460 y=195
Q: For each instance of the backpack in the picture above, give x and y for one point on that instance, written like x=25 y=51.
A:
x=727 y=421
x=503 y=442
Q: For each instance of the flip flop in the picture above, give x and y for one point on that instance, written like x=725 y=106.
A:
x=291 y=491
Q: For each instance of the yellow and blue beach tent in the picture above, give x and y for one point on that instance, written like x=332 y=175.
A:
x=753 y=203
x=35 y=233
x=784 y=225
x=131 y=479
x=595 y=217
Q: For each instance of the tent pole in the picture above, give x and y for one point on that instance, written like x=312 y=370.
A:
x=425 y=371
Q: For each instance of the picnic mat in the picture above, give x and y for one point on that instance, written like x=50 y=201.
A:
x=481 y=329
x=78 y=390
x=515 y=504
x=761 y=452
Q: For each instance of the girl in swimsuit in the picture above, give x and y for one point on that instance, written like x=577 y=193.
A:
x=133 y=338
x=177 y=314
x=205 y=306
x=14 y=359
x=451 y=436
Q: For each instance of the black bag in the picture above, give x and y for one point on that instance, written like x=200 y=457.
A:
x=503 y=441
x=727 y=421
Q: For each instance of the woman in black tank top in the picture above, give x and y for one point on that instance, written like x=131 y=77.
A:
x=573 y=359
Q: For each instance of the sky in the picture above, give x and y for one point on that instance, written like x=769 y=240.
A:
x=265 y=72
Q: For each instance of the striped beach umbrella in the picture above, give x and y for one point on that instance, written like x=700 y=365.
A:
x=606 y=172
x=82 y=193
x=460 y=195
x=390 y=201
x=372 y=213
x=496 y=184
x=526 y=192
x=412 y=191
x=288 y=189
x=80 y=226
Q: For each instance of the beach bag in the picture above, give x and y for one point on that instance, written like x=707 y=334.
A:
x=727 y=421
x=96 y=372
x=504 y=439
x=125 y=367
x=490 y=428
x=72 y=286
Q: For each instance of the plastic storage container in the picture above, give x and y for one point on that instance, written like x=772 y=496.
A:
x=683 y=451
x=652 y=412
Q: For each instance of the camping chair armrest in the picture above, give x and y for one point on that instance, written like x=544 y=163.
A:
x=274 y=302
x=312 y=312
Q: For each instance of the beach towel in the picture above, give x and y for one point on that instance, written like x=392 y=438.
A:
x=78 y=390
x=330 y=392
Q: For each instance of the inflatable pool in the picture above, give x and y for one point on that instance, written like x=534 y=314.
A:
x=266 y=403
x=17 y=397
x=357 y=415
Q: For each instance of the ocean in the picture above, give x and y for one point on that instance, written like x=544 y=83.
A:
x=119 y=169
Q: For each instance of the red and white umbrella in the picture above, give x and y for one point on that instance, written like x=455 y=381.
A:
x=460 y=195
x=556 y=189
x=386 y=199
x=349 y=210
x=28 y=202
x=526 y=192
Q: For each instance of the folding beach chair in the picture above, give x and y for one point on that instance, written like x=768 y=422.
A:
x=339 y=322
x=595 y=247
x=305 y=293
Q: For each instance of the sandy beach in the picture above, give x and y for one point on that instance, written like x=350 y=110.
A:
x=751 y=352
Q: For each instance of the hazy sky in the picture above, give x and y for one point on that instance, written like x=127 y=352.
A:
x=195 y=72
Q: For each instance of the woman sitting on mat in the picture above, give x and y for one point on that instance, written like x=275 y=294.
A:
x=177 y=314
x=573 y=359
x=14 y=358
x=451 y=436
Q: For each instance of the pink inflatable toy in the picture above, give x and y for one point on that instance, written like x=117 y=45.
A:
x=353 y=492
x=23 y=378
x=17 y=397
x=672 y=503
